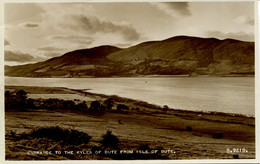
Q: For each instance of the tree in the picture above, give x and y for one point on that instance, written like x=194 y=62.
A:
x=69 y=104
x=81 y=106
x=49 y=103
x=9 y=100
x=165 y=108
x=122 y=107
x=94 y=106
x=21 y=94
x=109 y=140
x=21 y=97
x=30 y=103
x=8 y=94
x=109 y=103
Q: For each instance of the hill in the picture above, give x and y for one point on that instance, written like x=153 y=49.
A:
x=68 y=65
x=186 y=55
x=174 y=56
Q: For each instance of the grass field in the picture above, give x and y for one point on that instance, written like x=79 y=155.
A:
x=190 y=135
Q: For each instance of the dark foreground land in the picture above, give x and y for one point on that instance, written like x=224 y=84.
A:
x=156 y=132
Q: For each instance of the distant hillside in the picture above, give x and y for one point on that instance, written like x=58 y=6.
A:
x=183 y=54
x=66 y=65
x=174 y=56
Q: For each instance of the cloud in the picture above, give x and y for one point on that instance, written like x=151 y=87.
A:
x=83 y=19
x=181 y=8
x=7 y=43
x=29 y=25
x=52 y=54
x=234 y=35
x=122 y=45
x=174 y=8
x=20 y=57
x=250 y=22
x=61 y=37
x=64 y=43
x=91 y=24
x=244 y=20
x=72 y=38
x=49 y=48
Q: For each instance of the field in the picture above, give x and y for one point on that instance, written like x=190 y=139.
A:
x=176 y=134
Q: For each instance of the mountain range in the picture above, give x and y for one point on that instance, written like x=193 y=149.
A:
x=180 y=55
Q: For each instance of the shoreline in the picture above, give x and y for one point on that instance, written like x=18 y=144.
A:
x=85 y=92
x=187 y=132
x=148 y=76
x=158 y=106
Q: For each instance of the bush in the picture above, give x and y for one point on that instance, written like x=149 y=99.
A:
x=109 y=103
x=137 y=109
x=21 y=94
x=50 y=103
x=217 y=135
x=30 y=103
x=109 y=140
x=188 y=128
x=122 y=107
x=81 y=106
x=15 y=100
x=8 y=94
x=94 y=106
x=165 y=108
x=69 y=104
x=56 y=133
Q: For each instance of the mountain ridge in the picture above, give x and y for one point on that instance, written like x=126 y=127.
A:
x=173 y=56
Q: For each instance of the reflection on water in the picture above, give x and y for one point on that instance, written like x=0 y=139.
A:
x=222 y=94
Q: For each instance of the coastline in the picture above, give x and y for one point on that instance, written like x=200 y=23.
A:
x=148 y=76
x=211 y=133
x=99 y=96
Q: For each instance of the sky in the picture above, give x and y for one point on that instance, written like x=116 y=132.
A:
x=35 y=32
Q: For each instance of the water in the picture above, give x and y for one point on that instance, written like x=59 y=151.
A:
x=222 y=94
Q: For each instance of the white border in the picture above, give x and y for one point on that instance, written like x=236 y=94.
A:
x=257 y=97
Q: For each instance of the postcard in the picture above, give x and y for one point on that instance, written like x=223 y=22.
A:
x=150 y=81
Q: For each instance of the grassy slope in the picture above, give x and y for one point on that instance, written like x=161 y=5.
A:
x=55 y=66
x=209 y=56
x=203 y=50
x=145 y=126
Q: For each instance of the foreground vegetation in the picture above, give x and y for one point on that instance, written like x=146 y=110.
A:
x=111 y=123
x=74 y=144
x=18 y=100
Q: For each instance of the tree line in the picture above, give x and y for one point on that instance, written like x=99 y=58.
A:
x=18 y=100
